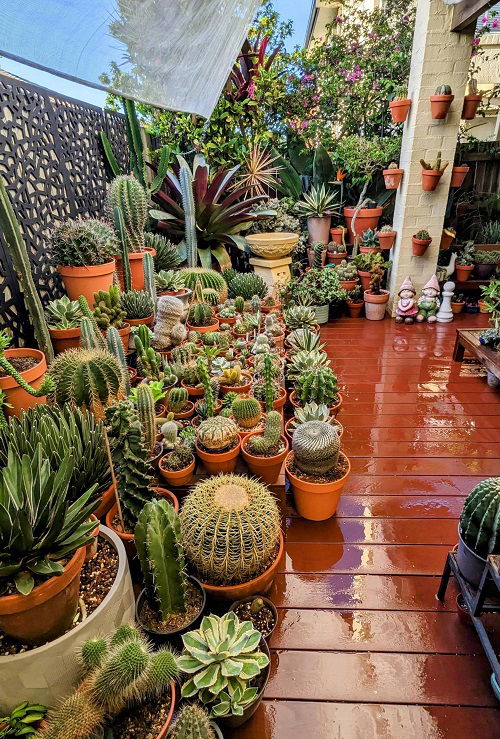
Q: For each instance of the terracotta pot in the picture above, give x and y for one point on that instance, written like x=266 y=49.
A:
x=215 y=462
x=203 y=329
x=159 y=638
x=140 y=321
x=177 y=477
x=399 y=110
x=319 y=228
x=463 y=272
x=133 y=376
x=333 y=409
x=87 y=280
x=483 y=308
x=375 y=305
x=174 y=293
x=430 y=179
x=229 y=321
x=164 y=729
x=458 y=175
x=446 y=239
x=267 y=602
x=107 y=500
x=336 y=234
x=348 y=284
x=392 y=178
x=419 y=246
x=65 y=338
x=369 y=250
x=267 y=468
x=386 y=239
x=241 y=389
x=366 y=218
x=91 y=549
x=440 y=105
x=260 y=584
x=354 y=308
x=188 y=413
x=124 y=334
x=470 y=106
x=194 y=392
x=16 y=396
x=48 y=611
x=457 y=307
x=270 y=308
x=335 y=257
x=136 y=268
x=365 y=278
x=278 y=403
x=316 y=501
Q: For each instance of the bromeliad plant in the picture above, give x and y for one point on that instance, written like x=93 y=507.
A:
x=224 y=659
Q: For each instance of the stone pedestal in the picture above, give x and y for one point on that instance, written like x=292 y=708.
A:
x=274 y=272
x=445 y=314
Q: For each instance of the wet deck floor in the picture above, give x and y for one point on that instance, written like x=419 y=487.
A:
x=362 y=648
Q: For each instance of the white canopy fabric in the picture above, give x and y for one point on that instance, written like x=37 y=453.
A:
x=174 y=54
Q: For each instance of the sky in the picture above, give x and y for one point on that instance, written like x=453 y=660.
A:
x=296 y=10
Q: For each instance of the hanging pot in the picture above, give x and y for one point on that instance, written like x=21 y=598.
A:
x=440 y=105
x=399 y=110
x=419 y=246
x=446 y=239
x=392 y=178
x=458 y=175
x=430 y=179
x=319 y=228
x=470 y=106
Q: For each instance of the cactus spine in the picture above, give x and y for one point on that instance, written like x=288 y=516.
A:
x=480 y=519
x=157 y=535
x=269 y=441
x=192 y=722
x=177 y=399
x=127 y=194
x=115 y=347
x=246 y=411
x=99 y=342
x=185 y=179
x=208 y=391
x=149 y=278
x=146 y=413
x=318 y=385
x=316 y=447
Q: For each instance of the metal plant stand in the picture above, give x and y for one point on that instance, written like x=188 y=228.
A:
x=478 y=602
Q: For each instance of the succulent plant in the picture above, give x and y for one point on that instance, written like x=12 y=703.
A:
x=261 y=345
x=169 y=281
x=63 y=313
x=369 y=239
x=318 y=202
x=137 y=304
x=318 y=385
x=90 y=380
x=303 y=361
x=438 y=165
x=145 y=405
x=239 y=303
x=210 y=296
x=192 y=722
x=170 y=431
x=387 y=229
x=422 y=235
x=230 y=528
x=156 y=537
x=207 y=278
x=246 y=285
x=443 y=90
x=183 y=353
x=22 y=720
x=227 y=311
x=300 y=316
x=255 y=304
x=267 y=443
x=231 y=376
x=217 y=433
x=167 y=255
x=168 y=330
x=201 y=314
x=107 y=309
x=346 y=271
x=304 y=340
x=83 y=243
x=127 y=194
x=316 y=447
x=246 y=411
x=312 y=412
x=273 y=327
x=480 y=518
x=149 y=281
x=318 y=249
x=377 y=274
x=177 y=399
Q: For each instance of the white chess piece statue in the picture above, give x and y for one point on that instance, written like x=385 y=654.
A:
x=445 y=314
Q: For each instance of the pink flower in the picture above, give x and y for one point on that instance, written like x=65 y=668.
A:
x=484 y=19
x=376 y=86
x=304 y=124
x=495 y=23
x=476 y=41
x=339 y=19
x=315 y=97
x=405 y=19
x=251 y=90
x=474 y=53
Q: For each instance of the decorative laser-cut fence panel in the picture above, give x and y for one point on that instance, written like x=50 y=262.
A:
x=51 y=159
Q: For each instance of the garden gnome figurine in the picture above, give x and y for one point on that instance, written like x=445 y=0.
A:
x=428 y=302
x=406 y=309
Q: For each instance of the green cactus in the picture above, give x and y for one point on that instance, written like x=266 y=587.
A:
x=201 y=314
x=127 y=194
x=149 y=278
x=177 y=399
x=217 y=433
x=183 y=353
x=255 y=304
x=188 y=205
x=208 y=389
x=76 y=717
x=93 y=652
x=123 y=634
x=156 y=537
x=88 y=338
x=192 y=722
x=246 y=411
x=169 y=430
x=90 y=380
x=83 y=243
x=107 y=309
x=269 y=442
x=443 y=90
x=316 y=447
x=167 y=255
x=319 y=385
x=99 y=342
x=346 y=271
x=146 y=412
x=239 y=304
x=303 y=361
x=119 y=222
x=137 y=304
x=248 y=284
x=480 y=518
x=207 y=278
x=318 y=248
x=45 y=388
x=115 y=347
x=269 y=382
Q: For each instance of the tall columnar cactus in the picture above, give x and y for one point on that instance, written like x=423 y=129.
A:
x=119 y=222
x=149 y=278
x=246 y=411
x=269 y=441
x=192 y=722
x=45 y=388
x=222 y=510
x=186 y=183
x=269 y=382
x=115 y=347
x=99 y=341
x=130 y=458
x=89 y=379
x=21 y=263
x=157 y=534
x=480 y=518
x=146 y=413
x=316 y=447
x=168 y=330
x=183 y=353
x=88 y=336
x=208 y=390
x=319 y=385
x=318 y=249
x=127 y=193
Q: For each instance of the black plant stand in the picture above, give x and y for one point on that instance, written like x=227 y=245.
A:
x=478 y=603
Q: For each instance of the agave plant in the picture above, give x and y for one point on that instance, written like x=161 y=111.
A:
x=223 y=657
x=304 y=360
x=202 y=207
x=304 y=340
x=318 y=202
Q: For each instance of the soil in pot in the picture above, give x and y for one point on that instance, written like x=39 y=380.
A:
x=149 y=720
x=266 y=466
x=176 y=477
x=32 y=366
x=151 y=621
x=260 y=611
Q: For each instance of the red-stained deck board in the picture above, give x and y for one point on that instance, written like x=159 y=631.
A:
x=363 y=650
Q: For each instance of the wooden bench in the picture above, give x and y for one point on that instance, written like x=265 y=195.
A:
x=469 y=339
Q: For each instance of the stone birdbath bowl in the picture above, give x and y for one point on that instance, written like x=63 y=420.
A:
x=273 y=245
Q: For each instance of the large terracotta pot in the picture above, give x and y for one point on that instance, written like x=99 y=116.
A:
x=463 y=272
x=365 y=278
x=260 y=584
x=419 y=246
x=315 y=501
x=48 y=611
x=16 y=396
x=65 y=338
x=440 y=105
x=375 y=305
x=399 y=110
x=366 y=218
x=319 y=228
x=392 y=178
x=136 y=268
x=458 y=175
x=267 y=468
x=87 y=280
x=203 y=329
x=177 y=477
x=214 y=463
x=430 y=179
x=470 y=106
x=107 y=500
x=386 y=239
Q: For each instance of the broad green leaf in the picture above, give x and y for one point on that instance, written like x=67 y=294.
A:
x=207 y=677
x=24 y=582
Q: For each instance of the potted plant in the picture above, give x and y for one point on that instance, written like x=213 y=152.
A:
x=335 y=252
x=317 y=385
x=472 y=102
x=201 y=318
x=392 y=176
x=400 y=105
x=240 y=676
x=458 y=175
x=265 y=451
x=267 y=390
x=491 y=298
x=170 y=282
x=318 y=206
x=226 y=313
x=311 y=412
x=300 y=316
x=347 y=274
x=218 y=444
x=270 y=304
x=234 y=380
x=179 y=404
x=258 y=609
x=82 y=252
x=365 y=264
x=138 y=306
x=432 y=173
x=63 y=320
x=246 y=412
x=419 y=242
x=447 y=237
x=317 y=470
x=274 y=330
x=316 y=254
x=108 y=312
x=316 y=290
x=193 y=721
x=369 y=242
x=337 y=235
x=22 y=377
x=441 y=101
x=375 y=298
x=479 y=529
x=485 y=263
x=24 y=719
x=465 y=262
x=490 y=234
x=230 y=533
x=355 y=302
x=457 y=303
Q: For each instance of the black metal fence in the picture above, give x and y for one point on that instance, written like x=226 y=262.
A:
x=51 y=159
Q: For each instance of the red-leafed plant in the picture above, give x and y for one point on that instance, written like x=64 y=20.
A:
x=247 y=68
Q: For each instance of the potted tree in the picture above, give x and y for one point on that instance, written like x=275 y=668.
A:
x=465 y=262
x=375 y=298
x=386 y=237
x=318 y=206
x=264 y=451
x=419 y=242
x=432 y=173
x=400 y=105
x=479 y=529
x=441 y=101
x=392 y=176
x=472 y=102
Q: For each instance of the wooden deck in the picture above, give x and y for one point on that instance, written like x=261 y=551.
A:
x=363 y=650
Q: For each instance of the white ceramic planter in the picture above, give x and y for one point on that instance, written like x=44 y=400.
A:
x=47 y=673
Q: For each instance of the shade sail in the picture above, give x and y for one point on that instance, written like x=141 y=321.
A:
x=175 y=54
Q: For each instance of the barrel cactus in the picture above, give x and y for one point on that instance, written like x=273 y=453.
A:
x=246 y=411
x=319 y=385
x=316 y=447
x=480 y=519
x=127 y=194
x=177 y=399
x=207 y=277
x=268 y=443
x=192 y=722
x=230 y=528
x=217 y=433
x=248 y=284
x=201 y=314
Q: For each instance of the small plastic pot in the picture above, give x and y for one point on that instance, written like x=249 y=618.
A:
x=399 y=110
x=392 y=178
x=140 y=321
x=267 y=468
x=177 y=478
x=267 y=602
x=430 y=179
x=217 y=462
x=440 y=105
x=419 y=246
